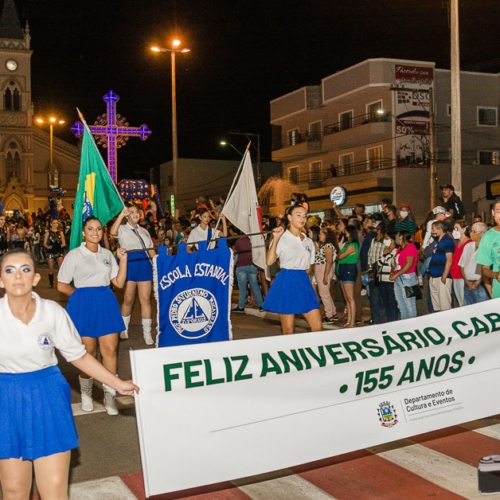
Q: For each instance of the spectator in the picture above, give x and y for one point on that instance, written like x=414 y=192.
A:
x=477 y=218
x=405 y=274
x=384 y=204
x=384 y=270
x=461 y=235
x=375 y=252
x=406 y=221
x=440 y=281
x=390 y=212
x=452 y=202
x=474 y=289
x=488 y=256
x=348 y=273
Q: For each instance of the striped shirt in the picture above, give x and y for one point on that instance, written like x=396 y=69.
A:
x=406 y=224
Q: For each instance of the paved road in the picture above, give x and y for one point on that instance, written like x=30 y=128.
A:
x=441 y=464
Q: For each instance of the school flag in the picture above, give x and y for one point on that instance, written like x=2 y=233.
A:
x=96 y=194
x=193 y=291
x=243 y=210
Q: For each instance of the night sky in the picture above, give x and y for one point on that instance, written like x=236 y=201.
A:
x=243 y=54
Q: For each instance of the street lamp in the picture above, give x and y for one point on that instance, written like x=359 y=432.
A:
x=51 y=121
x=225 y=143
x=175 y=154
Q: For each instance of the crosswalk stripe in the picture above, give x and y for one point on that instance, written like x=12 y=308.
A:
x=110 y=488
x=446 y=472
x=492 y=431
x=281 y=485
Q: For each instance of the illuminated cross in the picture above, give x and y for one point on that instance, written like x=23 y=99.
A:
x=112 y=131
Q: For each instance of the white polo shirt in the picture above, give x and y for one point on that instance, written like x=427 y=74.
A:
x=127 y=237
x=472 y=269
x=28 y=348
x=295 y=253
x=198 y=234
x=87 y=269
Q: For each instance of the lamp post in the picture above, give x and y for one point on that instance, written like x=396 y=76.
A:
x=175 y=154
x=51 y=121
x=225 y=143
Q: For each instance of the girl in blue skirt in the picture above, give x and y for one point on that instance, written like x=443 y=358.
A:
x=92 y=305
x=291 y=292
x=139 y=270
x=38 y=429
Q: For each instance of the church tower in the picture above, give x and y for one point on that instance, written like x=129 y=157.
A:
x=16 y=112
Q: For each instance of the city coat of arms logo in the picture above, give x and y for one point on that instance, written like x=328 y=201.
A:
x=387 y=414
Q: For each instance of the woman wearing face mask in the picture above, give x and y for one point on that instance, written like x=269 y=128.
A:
x=405 y=275
x=474 y=289
x=406 y=221
x=461 y=236
x=139 y=269
x=386 y=285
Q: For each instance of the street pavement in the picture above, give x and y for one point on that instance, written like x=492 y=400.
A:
x=441 y=464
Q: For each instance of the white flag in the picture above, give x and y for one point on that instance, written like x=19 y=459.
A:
x=243 y=210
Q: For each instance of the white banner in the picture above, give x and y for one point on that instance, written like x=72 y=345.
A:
x=226 y=410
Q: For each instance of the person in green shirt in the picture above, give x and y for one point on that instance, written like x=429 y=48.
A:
x=488 y=254
x=348 y=273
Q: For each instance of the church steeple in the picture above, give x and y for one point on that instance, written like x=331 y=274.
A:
x=10 y=27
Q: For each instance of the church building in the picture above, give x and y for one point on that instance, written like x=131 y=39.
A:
x=25 y=169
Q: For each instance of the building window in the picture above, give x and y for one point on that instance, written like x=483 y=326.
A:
x=345 y=120
x=13 y=162
x=372 y=111
x=486 y=117
x=293 y=175
x=293 y=137
x=12 y=98
x=346 y=164
x=374 y=158
x=448 y=110
x=315 y=130
x=315 y=174
x=489 y=157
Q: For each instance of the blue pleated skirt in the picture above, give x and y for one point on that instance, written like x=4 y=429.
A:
x=291 y=293
x=95 y=311
x=35 y=414
x=139 y=267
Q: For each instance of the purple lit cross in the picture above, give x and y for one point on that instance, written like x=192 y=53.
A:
x=112 y=131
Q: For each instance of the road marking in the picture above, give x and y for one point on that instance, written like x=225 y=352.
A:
x=280 y=485
x=122 y=403
x=492 y=431
x=110 y=488
x=446 y=472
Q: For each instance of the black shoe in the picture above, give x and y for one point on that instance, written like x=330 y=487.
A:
x=261 y=310
x=329 y=321
x=238 y=310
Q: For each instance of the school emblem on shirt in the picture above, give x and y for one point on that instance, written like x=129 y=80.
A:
x=45 y=342
x=106 y=262
x=387 y=414
x=193 y=313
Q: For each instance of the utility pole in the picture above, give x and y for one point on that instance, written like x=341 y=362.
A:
x=432 y=149
x=456 y=139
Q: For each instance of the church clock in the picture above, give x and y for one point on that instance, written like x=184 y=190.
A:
x=11 y=65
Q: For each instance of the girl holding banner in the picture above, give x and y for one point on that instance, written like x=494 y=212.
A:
x=291 y=292
x=93 y=306
x=38 y=429
x=139 y=270
x=203 y=232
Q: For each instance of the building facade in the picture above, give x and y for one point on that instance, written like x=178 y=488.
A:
x=24 y=148
x=367 y=129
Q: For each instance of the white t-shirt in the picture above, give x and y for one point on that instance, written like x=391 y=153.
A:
x=127 y=237
x=428 y=239
x=295 y=253
x=198 y=234
x=472 y=269
x=28 y=348
x=87 y=269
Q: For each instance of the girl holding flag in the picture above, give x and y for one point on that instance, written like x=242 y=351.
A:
x=291 y=292
x=38 y=429
x=93 y=306
x=139 y=269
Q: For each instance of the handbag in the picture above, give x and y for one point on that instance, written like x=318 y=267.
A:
x=413 y=291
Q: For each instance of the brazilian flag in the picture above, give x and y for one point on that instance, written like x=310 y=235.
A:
x=96 y=194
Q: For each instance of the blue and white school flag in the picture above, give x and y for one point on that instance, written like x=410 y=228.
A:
x=193 y=291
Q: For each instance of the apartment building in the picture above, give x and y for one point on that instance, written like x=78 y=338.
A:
x=366 y=128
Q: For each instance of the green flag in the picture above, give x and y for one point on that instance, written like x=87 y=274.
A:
x=96 y=194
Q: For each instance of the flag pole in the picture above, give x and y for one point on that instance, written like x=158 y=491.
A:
x=114 y=186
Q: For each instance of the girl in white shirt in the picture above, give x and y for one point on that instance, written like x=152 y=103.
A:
x=38 y=428
x=203 y=232
x=139 y=270
x=291 y=292
x=92 y=305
